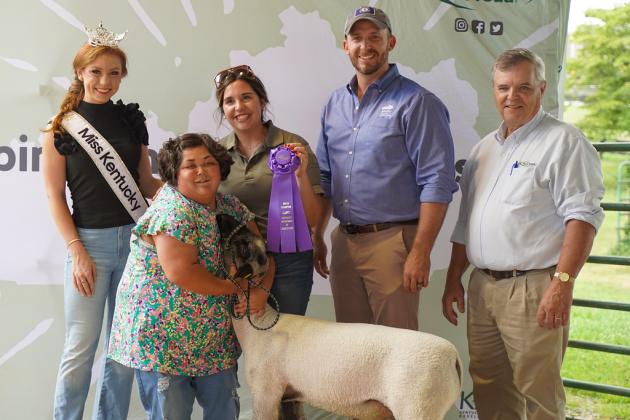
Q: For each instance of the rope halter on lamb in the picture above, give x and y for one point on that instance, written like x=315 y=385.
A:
x=356 y=370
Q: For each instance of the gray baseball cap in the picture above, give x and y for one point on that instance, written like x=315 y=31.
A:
x=372 y=14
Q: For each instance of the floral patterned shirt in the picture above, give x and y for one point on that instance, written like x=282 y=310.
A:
x=159 y=326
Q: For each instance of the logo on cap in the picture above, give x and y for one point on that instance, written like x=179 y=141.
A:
x=370 y=13
x=365 y=10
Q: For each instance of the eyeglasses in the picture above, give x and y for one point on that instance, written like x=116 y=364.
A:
x=236 y=71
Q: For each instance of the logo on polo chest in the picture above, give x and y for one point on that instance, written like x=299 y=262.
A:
x=521 y=164
x=387 y=111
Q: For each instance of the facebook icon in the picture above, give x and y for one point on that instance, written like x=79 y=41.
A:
x=478 y=26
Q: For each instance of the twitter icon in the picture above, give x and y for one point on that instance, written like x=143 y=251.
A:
x=496 y=28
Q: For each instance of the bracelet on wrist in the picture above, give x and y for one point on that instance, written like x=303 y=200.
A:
x=71 y=242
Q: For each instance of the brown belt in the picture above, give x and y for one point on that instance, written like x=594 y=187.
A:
x=374 y=227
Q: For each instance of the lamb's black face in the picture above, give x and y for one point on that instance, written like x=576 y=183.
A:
x=249 y=250
x=241 y=246
x=246 y=250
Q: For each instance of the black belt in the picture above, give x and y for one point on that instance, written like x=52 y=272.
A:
x=374 y=227
x=500 y=275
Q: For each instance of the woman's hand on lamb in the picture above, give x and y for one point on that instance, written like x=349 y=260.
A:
x=257 y=302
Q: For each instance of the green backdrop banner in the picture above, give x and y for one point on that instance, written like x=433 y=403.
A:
x=174 y=49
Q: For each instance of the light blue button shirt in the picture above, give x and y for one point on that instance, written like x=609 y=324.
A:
x=382 y=156
x=519 y=192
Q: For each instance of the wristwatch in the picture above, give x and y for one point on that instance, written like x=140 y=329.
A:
x=564 y=277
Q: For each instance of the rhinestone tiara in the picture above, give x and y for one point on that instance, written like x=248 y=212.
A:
x=102 y=36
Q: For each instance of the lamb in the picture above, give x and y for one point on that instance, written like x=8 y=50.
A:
x=357 y=370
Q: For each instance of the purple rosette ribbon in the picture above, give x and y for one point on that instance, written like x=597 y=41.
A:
x=287 y=230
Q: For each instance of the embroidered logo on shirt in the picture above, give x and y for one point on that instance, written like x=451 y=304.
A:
x=387 y=111
x=521 y=163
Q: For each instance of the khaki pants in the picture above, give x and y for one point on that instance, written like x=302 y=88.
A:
x=514 y=363
x=366 y=274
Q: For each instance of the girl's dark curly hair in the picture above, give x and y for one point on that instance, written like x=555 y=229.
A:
x=170 y=155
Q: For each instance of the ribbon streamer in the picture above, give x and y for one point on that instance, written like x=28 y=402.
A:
x=287 y=230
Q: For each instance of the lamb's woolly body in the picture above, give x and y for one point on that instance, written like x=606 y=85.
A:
x=357 y=370
x=349 y=369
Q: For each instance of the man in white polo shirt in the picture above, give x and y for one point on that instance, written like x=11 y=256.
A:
x=530 y=208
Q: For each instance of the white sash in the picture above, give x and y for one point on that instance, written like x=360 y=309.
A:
x=108 y=163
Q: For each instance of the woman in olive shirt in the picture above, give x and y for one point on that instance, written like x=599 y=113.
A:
x=242 y=101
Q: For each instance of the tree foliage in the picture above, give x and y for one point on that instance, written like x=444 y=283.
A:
x=601 y=72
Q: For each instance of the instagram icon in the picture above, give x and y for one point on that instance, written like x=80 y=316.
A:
x=461 y=25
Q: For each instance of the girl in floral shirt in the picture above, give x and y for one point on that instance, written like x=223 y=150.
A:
x=172 y=322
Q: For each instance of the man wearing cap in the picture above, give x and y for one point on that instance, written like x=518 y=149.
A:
x=531 y=194
x=387 y=164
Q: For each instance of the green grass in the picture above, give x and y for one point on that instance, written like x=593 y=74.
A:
x=601 y=282
x=601 y=326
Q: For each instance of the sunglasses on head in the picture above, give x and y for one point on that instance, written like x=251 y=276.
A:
x=236 y=71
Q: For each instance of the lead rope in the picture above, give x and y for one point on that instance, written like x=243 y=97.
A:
x=234 y=300
x=250 y=283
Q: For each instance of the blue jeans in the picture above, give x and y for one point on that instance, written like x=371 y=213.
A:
x=293 y=281
x=109 y=249
x=172 y=396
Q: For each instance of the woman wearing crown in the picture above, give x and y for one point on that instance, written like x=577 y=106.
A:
x=97 y=148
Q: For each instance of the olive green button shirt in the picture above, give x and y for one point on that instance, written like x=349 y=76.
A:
x=250 y=181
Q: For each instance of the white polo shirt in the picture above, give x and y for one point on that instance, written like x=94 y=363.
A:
x=517 y=194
